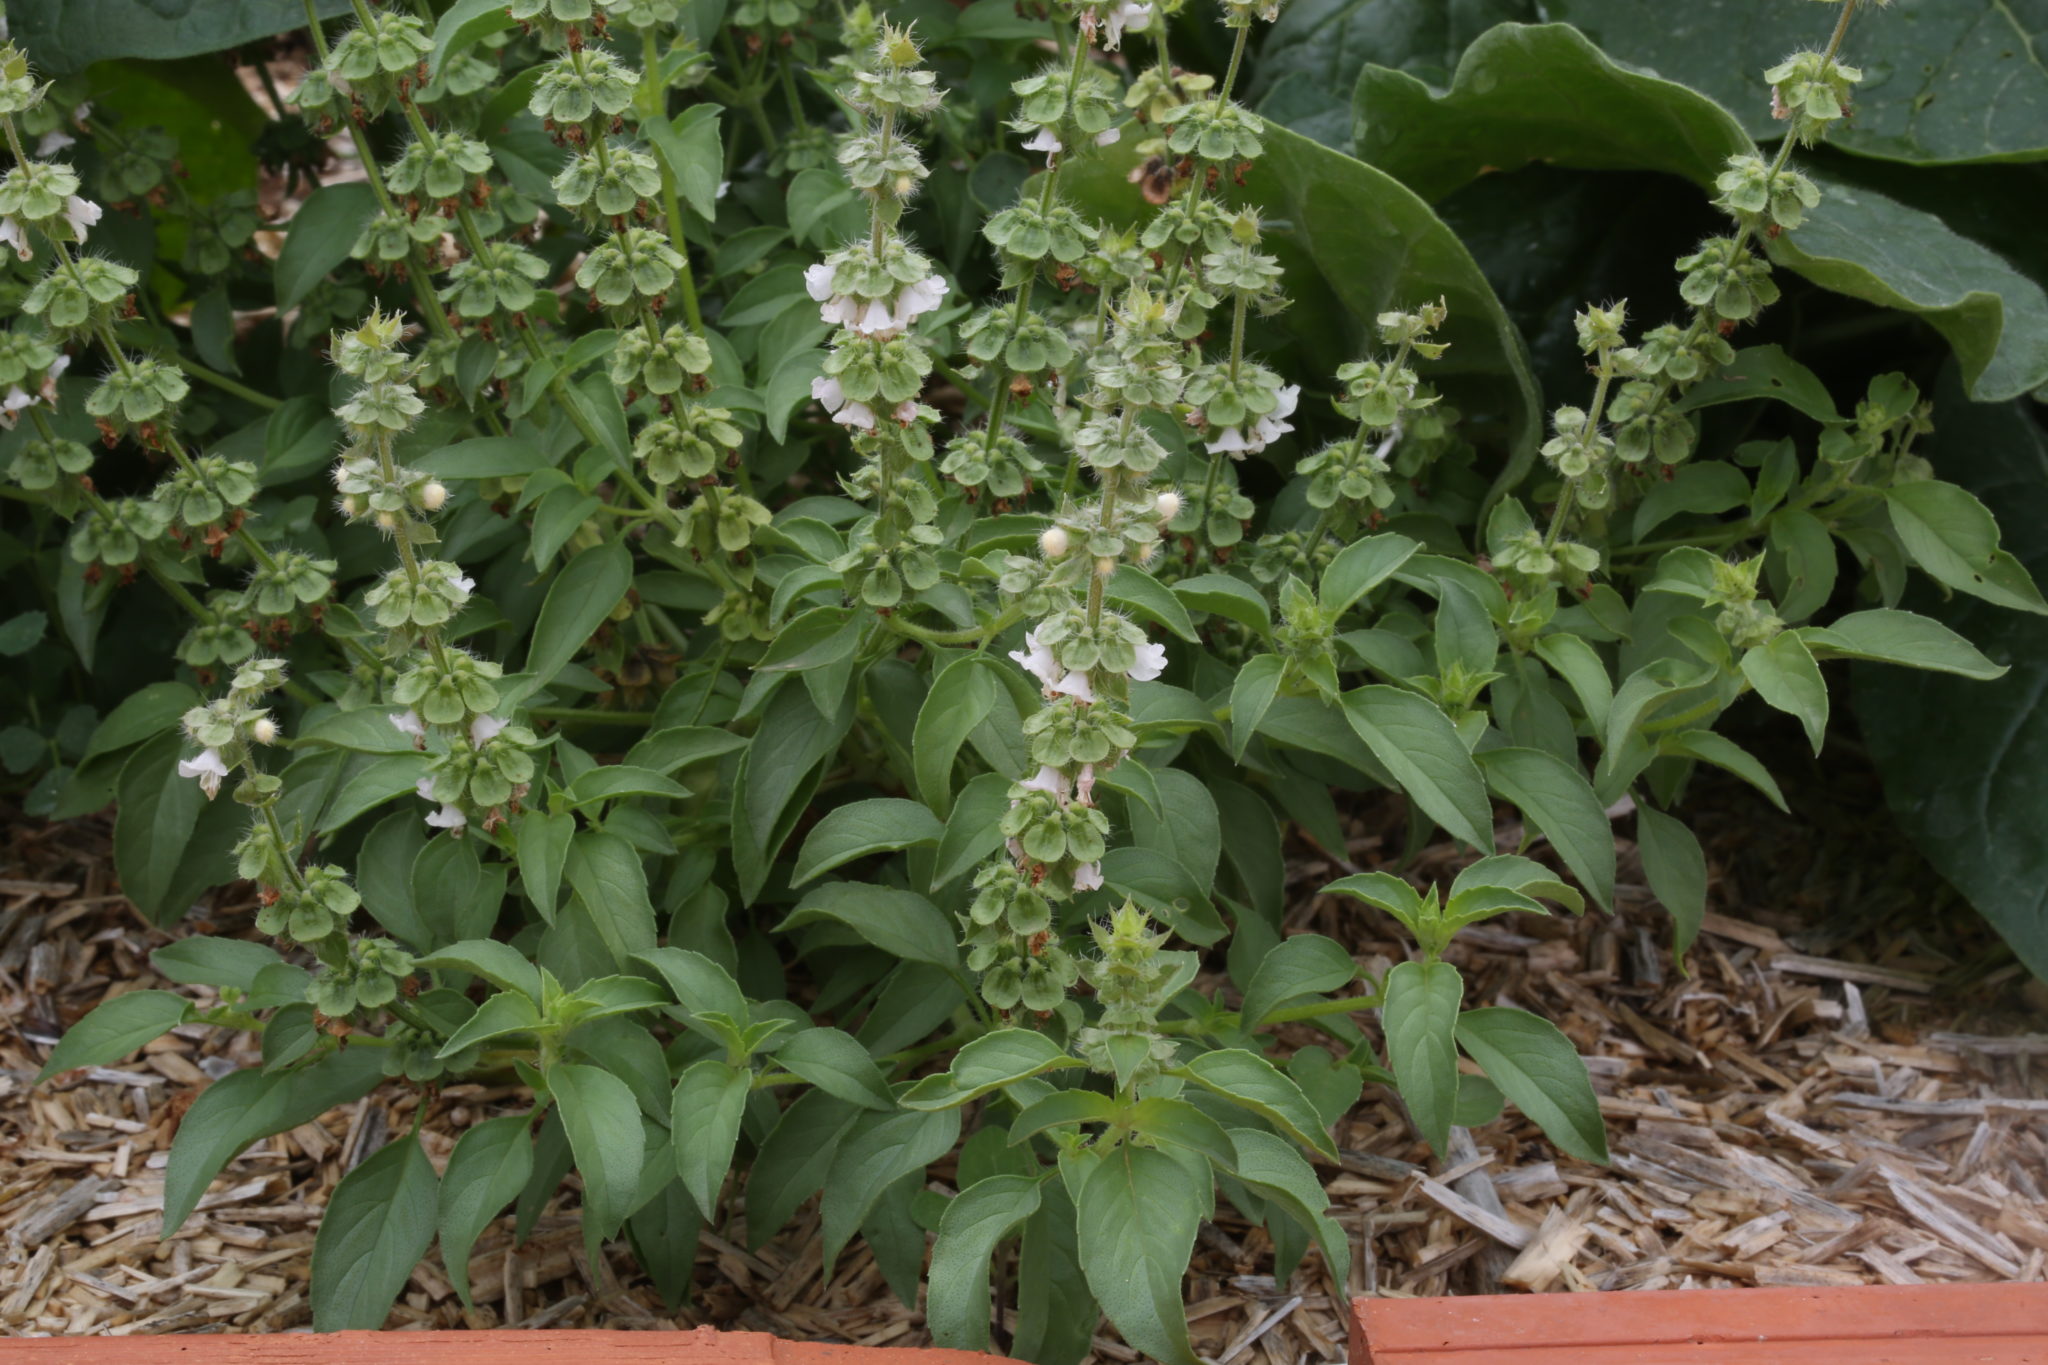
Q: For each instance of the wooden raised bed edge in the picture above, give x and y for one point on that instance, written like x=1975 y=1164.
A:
x=575 y=1346
x=1920 y=1324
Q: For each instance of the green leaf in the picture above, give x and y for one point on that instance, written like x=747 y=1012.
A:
x=1542 y=92
x=213 y=962
x=1479 y=1102
x=710 y=1099
x=1758 y=372
x=960 y=699
x=490 y=1165
x=610 y=781
x=860 y=829
x=834 y=1062
x=1421 y=1022
x=1785 y=676
x=1219 y=594
x=1251 y=1082
x=511 y=1011
x=693 y=152
x=973 y=829
x=603 y=1122
x=319 y=237
x=1954 y=537
x=1056 y=1313
x=978 y=1218
x=1301 y=964
x=1183 y=1125
x=378 y=1223
x=498 y=963
x=1723 y=752
x=578 y=601
x=1146 y=596
x=1416 y=742
x=1583 y=671
x=64 y=36
x=541 y=844
x=1251 y=696
x=882 y=1149
x=1900 y=637
x=700 y=984
x=900 y=923
x=1559 y=799
x=605 y=873
x=1676 y=869
x=484 y=457
x=154 y=821
x=1384 y=890
x=792 y=1163
x=462 y=25
x=246 y=1105
x=113 y=1030
x=19 y=634
x=1960 y=81
x=990 y=1062
x=1362 y=566
x=1274 y=1169
x=1060 y=1108
x=1164 y=886
x=1537 y=1068
x=1136 y=1231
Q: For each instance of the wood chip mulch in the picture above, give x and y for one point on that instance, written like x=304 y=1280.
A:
x=1823 y=1101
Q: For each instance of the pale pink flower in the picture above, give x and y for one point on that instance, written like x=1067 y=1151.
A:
x=1044 y=141
x=1084 y=789
x=1088 y=877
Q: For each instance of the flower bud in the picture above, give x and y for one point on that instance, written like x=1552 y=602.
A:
x=264 y=731
x=434 y=495
x=351 y=506
x=386 y=522
x=1104 y=566
x=1168 y=506
x=1054 y=542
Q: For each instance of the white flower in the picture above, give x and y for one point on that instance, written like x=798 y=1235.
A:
x=1108 y=136
x=1151 y=662
x=876 y=320
x=1049 y=779
x=1229 y=442
x=14 y=402
x=723 y=186
x=856 y=415
x=906 y=411
x=449 y=818
x=11 y=234
x=425 y=787
x=408 y=723
x=207 y=768
x=818 y=280
x=434 y=495
x=1084 y=789
x=54 y=141
x=466 y=583
x=919 y=298
x=1054 y=542
x=81 y=214
x=1037 y=660
x=1126 y=15
x=825 y=389
x=1074 y=685
x=484 y=729
x=50 y=377
x=1088 y=877
x=1167 y=506
x=1044 y=141
x=264 y=731
x=1267 y=429
x=839 y=310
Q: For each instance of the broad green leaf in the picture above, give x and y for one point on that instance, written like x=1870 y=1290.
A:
x=664 y=1236
x=1900 y=637
x=580 y=598
x=1559 y=799
x=605 y=873
x=319 y=237
x=988 y=1063
x=1165 y=887
x=1417 y=743
x=1060 y=1108
x=1251 y=696
x=490 y=1165
x=1360 y=567
x=64 y=36
x=1056 y=1313
x=602 y=1120
x=206 y=961
x=1722 y=752
x=792 y=1163
x=834 y=1062
x=771 y=778
x=498 y=963
x=710 y=1098
x=462 y=25
x=152 y=825
x=1954 y=537
x=700 y=984
x=1251 y=1082
x=541 y=844
x=143 y=714
x=691 y=150
x=1957 y=81
x=246 y=1105
x=1146 y=596
x=900 y=923
x=484 y=457
x=979 y=1217
x=1137 y=1226
x=1583 y=671
x=1803 y=564
x=511 y=1011
x=1786 y=677
x=1540 y=1072
x=973 y=828
x=1700 y=488
x=881 y=1149
x=1302 y=964
x=610 y=781
x=1513 y=872
x=378 y=1223
x=113 y=1030
x=860 y=829
x=1479 y=1101
x=1677 y=872
x=1384 y=890
x=1421 y=1022
x=1231 y=598
x=1183 y=1125
x=1274 y=1169
x=961 y=698
x=674 y=748
x=1758 y=372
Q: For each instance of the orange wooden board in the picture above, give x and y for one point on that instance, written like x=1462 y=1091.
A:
x=703 y=1346
x=1953 y=1324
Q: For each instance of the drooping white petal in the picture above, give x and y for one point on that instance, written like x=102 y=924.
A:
x=1108 y=136
x=826 y=390
x=1036 y=659
x=877 y=319
x=1084 y=787
x=208 y=768
x=425 y=788
x=1075 y=684
x=856 y=415
x=1230 y=441
x=12 y=234
x=466 y=583
x=906 y=411
x=54 y=141
x=1127 y=15
x=1048 y=779
x=407 y=723
x=81 y=214
x=484 y=729
x=1088 y=877
x=818 y=280
x=449 y=818
x=1151 y=663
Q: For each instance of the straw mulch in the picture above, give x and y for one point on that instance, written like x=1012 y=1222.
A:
x=1836 y=1095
